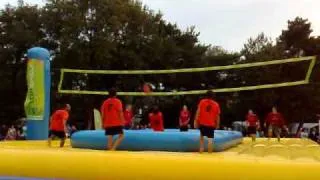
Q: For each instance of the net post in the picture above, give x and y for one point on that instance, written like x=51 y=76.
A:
x=61 y=80
x=311 y=67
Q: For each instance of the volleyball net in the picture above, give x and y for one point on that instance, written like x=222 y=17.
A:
x=80 y=77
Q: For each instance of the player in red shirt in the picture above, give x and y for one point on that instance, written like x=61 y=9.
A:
x=58 y=125
x=275 y=123
x=253 y=124
x=113 y=119
x=128 y=116
x=184 y=119
x=207 y=119
x=156 y=120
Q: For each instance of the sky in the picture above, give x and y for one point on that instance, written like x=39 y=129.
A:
x=229 y=23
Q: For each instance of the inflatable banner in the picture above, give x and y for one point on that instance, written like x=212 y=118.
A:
x=37 y=103
x=97 y=120
x=35 y=100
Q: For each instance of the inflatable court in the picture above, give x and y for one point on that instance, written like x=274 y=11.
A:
x=237 y=158
x=290 y=159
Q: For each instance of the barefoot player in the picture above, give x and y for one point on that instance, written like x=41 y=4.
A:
x=207 y=119
x=113 y=119
x=275 y=123
x=58 y=125
x=156 y=120
x=252 y=121
x=184 y=119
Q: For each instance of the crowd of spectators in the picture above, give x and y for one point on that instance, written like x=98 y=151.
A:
x=13 y=131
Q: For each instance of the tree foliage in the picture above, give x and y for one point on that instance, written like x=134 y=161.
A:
x=295 y=41
x=20 y=29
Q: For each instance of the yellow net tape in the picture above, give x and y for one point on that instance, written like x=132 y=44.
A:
x=191 y=70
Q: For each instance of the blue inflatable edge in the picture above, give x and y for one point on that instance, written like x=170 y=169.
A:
x=146 y=140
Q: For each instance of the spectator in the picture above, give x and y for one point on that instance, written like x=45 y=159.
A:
x=184 y=119
x=136 y=121
x=24 y=131
x=21 y=133
x=258 y=134
x=12 y=133
x=128 y=117
x=298 y=135
x=71 y=129
x=304 y=133
x=3 y=132
x=313 y=135
x=156 y=119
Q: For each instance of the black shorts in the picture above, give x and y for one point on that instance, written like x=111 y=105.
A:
x=114 y=130
x=275 y=130
x=207 y=131
x=59 y=134
x=184 y=128
x=252 y=130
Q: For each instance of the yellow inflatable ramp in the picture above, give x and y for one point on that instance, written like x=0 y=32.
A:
x=293 y=159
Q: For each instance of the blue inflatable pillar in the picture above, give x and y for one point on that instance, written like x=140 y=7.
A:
x=37 y=104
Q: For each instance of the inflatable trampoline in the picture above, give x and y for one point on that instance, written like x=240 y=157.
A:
x=147 y=140
x=293 y=159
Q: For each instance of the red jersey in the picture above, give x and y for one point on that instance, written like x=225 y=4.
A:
x=58 y=120
x=110 y=111
x=128 y=115
x=209 y=110
x=184 y=117
x=275 y=119
x=156 y=121
x=252 y=120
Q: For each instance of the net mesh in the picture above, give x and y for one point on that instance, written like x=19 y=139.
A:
x=178 y=79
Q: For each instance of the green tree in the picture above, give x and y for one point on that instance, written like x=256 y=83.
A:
x=297 y=37
x=20 y=29
x=261 y=48
x=120 y=34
